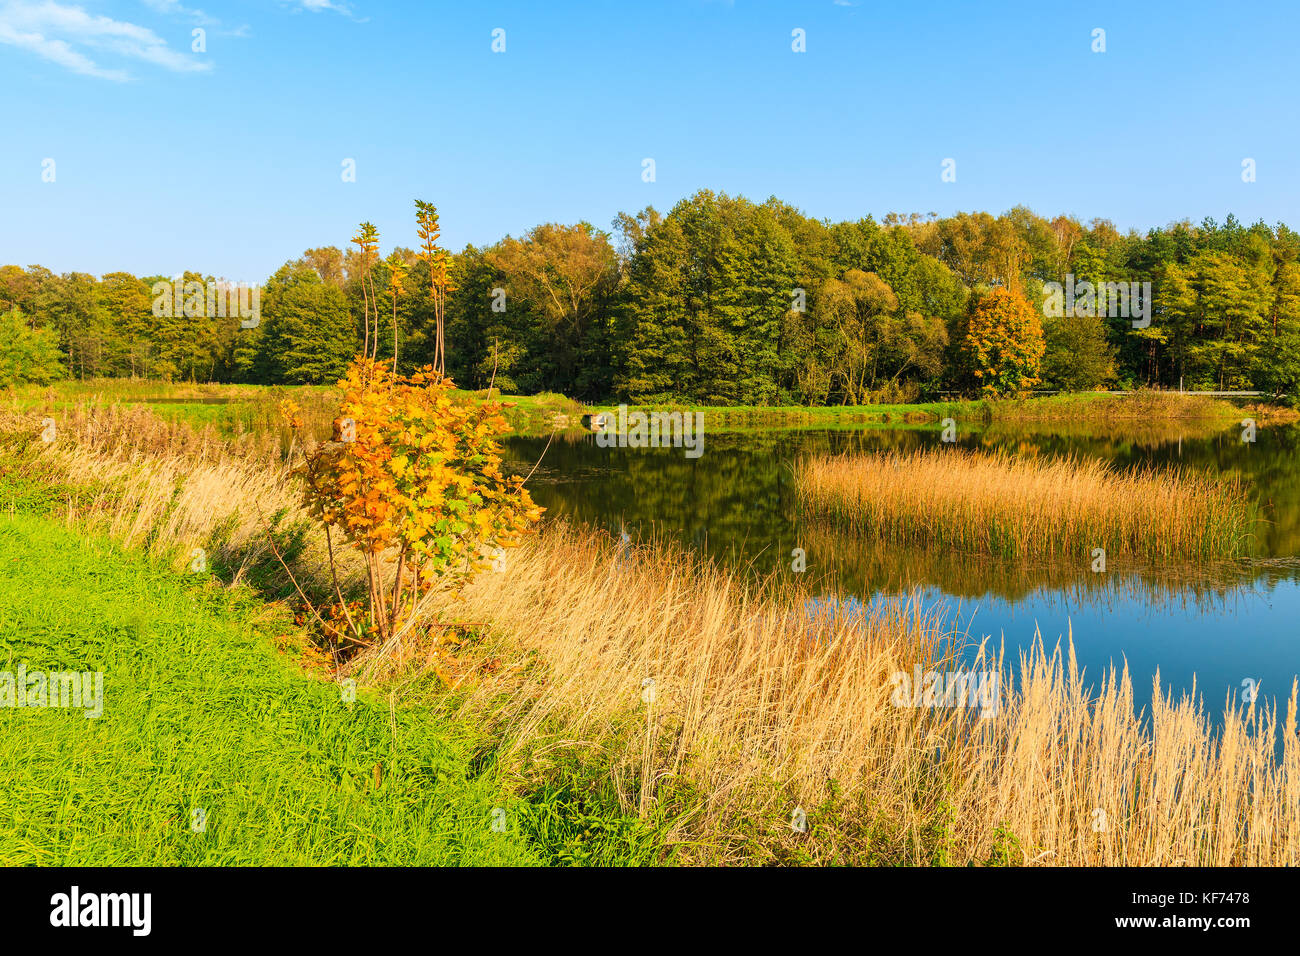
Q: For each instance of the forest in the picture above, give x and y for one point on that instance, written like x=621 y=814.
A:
x=720 y=301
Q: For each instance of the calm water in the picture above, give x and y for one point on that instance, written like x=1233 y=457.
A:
x=1219 y=623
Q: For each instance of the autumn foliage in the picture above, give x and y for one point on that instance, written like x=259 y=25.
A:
x=413 y=482
x=1003 y=346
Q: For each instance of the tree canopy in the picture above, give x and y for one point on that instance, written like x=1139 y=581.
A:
x=720 y=300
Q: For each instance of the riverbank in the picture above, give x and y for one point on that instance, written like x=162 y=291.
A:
x=658 y=707
x=1143 y=408
x=251 y=412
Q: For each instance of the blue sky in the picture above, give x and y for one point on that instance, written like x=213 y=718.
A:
x=229 y=161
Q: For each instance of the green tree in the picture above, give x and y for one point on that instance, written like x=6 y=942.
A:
x=307 y=334
x=27 y=354
x=1278 y=358
x=1078 y=356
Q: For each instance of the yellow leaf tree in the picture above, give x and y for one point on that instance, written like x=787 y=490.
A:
x=416 y=486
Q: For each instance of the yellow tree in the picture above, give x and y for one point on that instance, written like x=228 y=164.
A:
x=426 y=219
x=1003 y=346
x=417 y=487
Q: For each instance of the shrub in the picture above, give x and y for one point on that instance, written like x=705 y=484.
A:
x=414 y=479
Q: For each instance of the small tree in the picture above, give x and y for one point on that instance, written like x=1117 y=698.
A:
x=415 y=479
x=396 y=273
x=426 y=221
x=367 y=241
x=1003 y=345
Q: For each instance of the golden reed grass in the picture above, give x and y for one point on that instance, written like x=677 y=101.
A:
x=996 y=503
x=160 y=486
x=762 y=709
x=757 y=708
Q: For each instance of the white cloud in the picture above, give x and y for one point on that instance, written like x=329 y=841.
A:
x=174 y=8
x=316 y=6
x=57 y=52
x=53 y=30
x=320 y=6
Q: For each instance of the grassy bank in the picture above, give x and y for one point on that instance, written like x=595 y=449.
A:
x=759 y=710
x=1088 y=409
x=741 y=418
x=201 y=712
x=250 y=413
x=163 y=491
x=1027 y=507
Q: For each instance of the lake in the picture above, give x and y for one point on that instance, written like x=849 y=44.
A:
x=1217 y=624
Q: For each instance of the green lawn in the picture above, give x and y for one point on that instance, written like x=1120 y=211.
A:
x=200 y=711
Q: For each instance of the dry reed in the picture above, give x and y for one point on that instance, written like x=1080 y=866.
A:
x=996 y=503
x=762 y=709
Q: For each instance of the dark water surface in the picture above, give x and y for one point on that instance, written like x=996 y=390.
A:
x=1220 y=624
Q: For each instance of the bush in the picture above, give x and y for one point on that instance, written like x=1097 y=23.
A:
x=413 y=478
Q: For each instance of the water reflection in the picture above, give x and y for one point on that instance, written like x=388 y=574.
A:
x=1224 y=621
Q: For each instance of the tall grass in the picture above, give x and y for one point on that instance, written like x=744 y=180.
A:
x=250 y=414
x=1143 y=405
x=758 y=710
x=157 y=485
x=1000 y=504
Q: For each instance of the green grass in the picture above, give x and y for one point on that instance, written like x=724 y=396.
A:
x=1091 y=408
x=237 y=409
x=745 y=418
x=201 y=711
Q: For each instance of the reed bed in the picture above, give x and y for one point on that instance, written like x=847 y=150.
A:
x=1081 y=778
x=1000 y=504
x=763 y=710
x=724 y=706
x=1144 y=405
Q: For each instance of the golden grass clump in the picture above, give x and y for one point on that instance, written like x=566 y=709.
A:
x=763 y=710
x=161 y=486
x=1000 y=504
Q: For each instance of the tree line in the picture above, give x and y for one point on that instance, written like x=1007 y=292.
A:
x=719 y=301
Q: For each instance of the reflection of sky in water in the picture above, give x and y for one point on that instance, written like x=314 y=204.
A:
x=1254 y=632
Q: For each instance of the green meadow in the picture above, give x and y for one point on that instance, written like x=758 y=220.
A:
x=206 y=708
